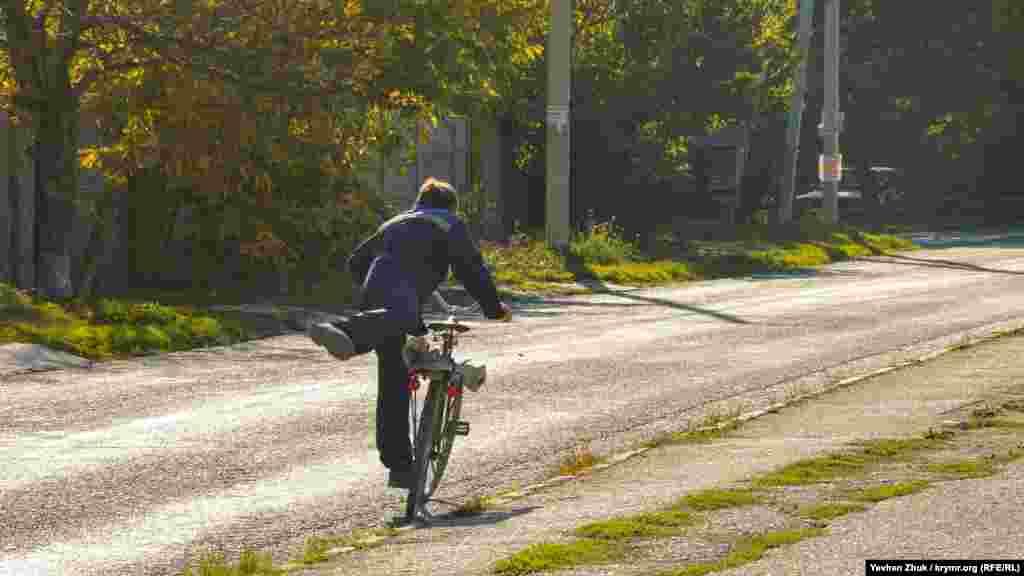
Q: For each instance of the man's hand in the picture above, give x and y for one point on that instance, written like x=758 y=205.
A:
x=419 y=344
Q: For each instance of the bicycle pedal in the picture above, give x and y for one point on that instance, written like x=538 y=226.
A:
x=461 y=428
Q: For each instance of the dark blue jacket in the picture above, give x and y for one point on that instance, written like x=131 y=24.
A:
x=422 y=245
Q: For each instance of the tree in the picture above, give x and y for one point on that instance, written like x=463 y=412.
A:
x=653 y=74
x=220 y=97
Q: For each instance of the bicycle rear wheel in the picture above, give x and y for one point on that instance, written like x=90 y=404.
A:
x=444 y=437
x=423 y=418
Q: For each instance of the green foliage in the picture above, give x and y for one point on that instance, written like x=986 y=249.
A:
x=603 y=244
x=11 y=298
x=111 y=328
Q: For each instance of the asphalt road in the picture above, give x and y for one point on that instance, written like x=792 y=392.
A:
x=132 y=467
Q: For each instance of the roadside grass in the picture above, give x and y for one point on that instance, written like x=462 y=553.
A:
x=830 y=511
x=814 y=470
x=547 y=556
x=697 y=436
x=896 y=448
x=108 y=328
x=249 y=564
x=963 y=469
x=647 y=525
x=146 y=321
x=602 y=253
x=976 y=423
x=886 y=491
x=316 y=548
x=747 y=550
x=713 y=427
x=720 y=499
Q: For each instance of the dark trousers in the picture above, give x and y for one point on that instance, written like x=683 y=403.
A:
x=390 y=312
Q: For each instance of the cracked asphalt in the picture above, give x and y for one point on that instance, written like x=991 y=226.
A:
x=131 y=467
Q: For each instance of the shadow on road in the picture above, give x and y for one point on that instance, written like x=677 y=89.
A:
x=641 y=301
x=453 y=519
x=930 y=263
x=575 y=265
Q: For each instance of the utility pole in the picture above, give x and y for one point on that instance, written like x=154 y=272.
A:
x=796 y=112
x=830 y=165
x=559 y=56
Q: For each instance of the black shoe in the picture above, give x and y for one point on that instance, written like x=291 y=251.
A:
x=403 y=477
x=336 y=340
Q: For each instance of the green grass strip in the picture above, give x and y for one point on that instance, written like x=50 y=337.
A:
x=648 y=525
x=249 y=564
x=542 y=557
x=887 y=491
x=814 y=470
x=718 y=499
x=831 y=511
x=891 y=448
x=748 y=550
x=964 y=469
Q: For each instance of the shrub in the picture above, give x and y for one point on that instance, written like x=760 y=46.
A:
x=112 y=312
x=155 y=338
x=206 y=331
x=604 y=244
x=10 y=297
x=153 y=313
x=124 y=339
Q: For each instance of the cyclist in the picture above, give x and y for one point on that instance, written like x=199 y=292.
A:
x=399 y=268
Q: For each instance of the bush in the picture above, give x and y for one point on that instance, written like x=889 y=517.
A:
x=124 y=339
x=206 y=332
x=153 y=313
x=154 y=338
x=112 y=312
x=604 y=244
x=11 y=298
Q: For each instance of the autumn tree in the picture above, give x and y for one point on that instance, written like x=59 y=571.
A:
x=223 y=98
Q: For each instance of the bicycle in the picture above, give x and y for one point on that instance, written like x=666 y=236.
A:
x=434 y=423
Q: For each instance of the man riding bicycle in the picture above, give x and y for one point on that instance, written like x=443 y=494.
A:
x=399 y=268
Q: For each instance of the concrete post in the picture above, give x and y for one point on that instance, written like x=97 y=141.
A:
x=24 y=209
x=490 y=176
x=6 y=218
x=559 y=57
x=831 y=124
x=796 y=111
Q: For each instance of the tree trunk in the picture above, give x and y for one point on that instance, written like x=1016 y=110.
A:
x=53 y=221
x=101 y=244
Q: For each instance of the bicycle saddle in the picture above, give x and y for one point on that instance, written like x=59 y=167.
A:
x=450 y=324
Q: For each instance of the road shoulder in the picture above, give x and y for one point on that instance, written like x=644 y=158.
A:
x=904 y=404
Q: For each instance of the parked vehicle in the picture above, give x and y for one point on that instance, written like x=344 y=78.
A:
x=851 y=192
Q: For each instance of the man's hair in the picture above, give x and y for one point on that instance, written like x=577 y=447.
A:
x=438 y=194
